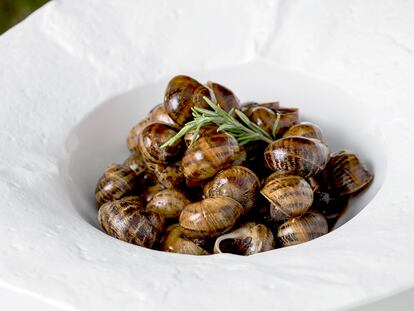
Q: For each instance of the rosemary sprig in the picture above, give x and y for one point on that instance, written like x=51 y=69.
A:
x=245 y=131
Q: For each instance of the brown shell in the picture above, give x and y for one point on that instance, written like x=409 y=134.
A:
x=302 y=229
x=136 y=163
x=116 y=181
x=263 y=117
x=152 y=137
x=251 y=238
x=290 y=194
x=349 y=174
x=169 y=203
x=134 y=134
x=126 y=220
x=305 y=129
x=298 y=155
x=182 y=94
x=225 y=98
x=159 y=115
x=208 y=155
x=170 y=175
x=151 y=190
x=272 y=105
x=246 y=108
x=237 y=182
x=288 y=118
x=210 y=217
x=176 y=242
x=204 y=131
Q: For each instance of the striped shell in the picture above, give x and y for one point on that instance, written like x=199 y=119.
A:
x=204 y=131
x=349 y=174
x=152 y=137
x=169 y=175
x=126 y=220
x=182 y=94
x=249 y=239
x=290 y=194
x=116 y=181
x=159 y=115
x=299 y=155
x=263 y=117
x=224 y=97
x=237 y=182
x=302 y=229
x=169 y=203
x=210 y=217
x=176 y=242
x=134 y=134
x=209 y=155
x=288 y=118
x=305 y=129
x=136 y=162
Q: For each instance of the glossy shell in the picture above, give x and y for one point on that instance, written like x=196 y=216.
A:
x=208 y=155
x=249 y=239
x=302 y=229
x=116 y=181
x=237 y=182
x=305 y=129
x=152 y=137
x=169 y=175
x=291 y=194
x=126 y=220
x=176 y=242
x=210 y=217
x=159 y=115
x=263 y=117
x=224 y=97
x=349 y=174
x=182 y=94
x=169 y=203
x=134 y=134
x=288 y=118
x=151 y=190
x=136 y=163
x=299 y=155
x=204 y=131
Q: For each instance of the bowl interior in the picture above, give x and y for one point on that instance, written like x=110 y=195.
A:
x=100 y=138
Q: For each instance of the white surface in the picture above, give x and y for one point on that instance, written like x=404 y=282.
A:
x=72 y=56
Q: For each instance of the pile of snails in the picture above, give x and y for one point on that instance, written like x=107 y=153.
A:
x=207 y=193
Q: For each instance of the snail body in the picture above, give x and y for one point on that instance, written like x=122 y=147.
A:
x=126 y=220
x=249 y=239
x=237 y=182
x=169 y=203
x=210 y=217
x=302 y=229
x=176 y=242
x=298 y=155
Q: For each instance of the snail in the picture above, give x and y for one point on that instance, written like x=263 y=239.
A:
x=182 y=94
x=288 y=118
x=290 y=194
x=225 y=98
x=249 y=239
x=302 y=229
x=236 y=182
x=298 y=155
x=246 y=107
x=169 y=203
x=210 y=154
x=263 y=117
x=305 y=129
x=151 y=190
x=116 y=181
x=134 y=133
x=136 y=162
x=210 y=217
x=207 y=130
x=159 y=115
x=176 y=242
x=169 y=175
x=152 y=137
x=126 y=220
x=348 y=173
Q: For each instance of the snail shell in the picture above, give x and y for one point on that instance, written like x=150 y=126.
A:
x=305 y=129
x=159 y=115
x=152 y=137
x=169 y=203
x=134 y=134
x=210 y=154
x=290 y=194
x=225 y=98
x=299 y=155
x=236 y=182
x=204 y=131
x=136 y=162
x=288 y=118
x=176 y=242
x=246 y=107
x=348 y=172
x=210 y=217
x=302 y=229
x=126 y=220
x=182 y=94
x=249 y=239
x=116 y=181
x=263 y=117
x=169 y=175
x=151 y=190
